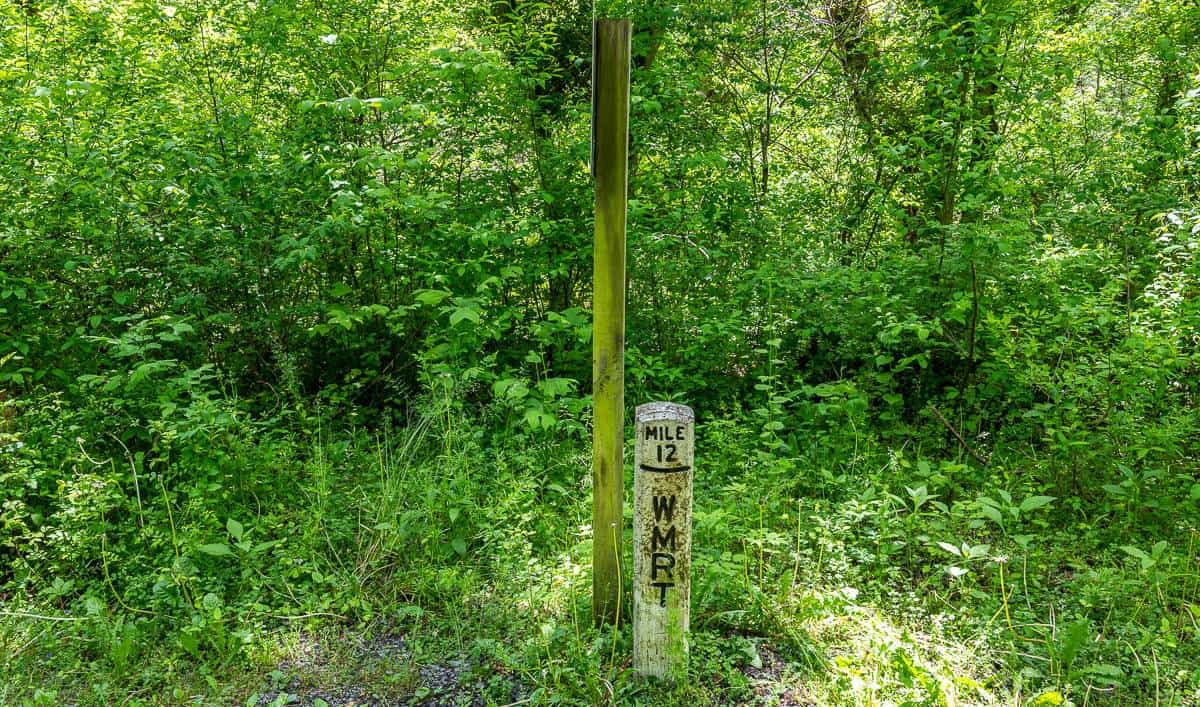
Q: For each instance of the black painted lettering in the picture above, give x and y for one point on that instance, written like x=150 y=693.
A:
x=662 y=591
x=671 y=453
x=666 y=540
x=664 y=506
x=679 y=432
x=651 y=432
x=661 y=561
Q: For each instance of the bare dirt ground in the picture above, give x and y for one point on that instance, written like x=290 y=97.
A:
x=348 y=671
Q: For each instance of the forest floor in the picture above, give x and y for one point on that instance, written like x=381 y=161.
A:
x=350 y=670
x=346 y=668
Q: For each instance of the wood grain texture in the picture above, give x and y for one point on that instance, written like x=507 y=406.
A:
x=610 y=134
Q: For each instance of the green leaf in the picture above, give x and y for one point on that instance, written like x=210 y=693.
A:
x=263 y=546
x=1035 y=502
x=953 y=550
x=459 y=545
x=1134 y=552
x=536 y=418
x=992 y=513
x=977 y=551
x=462 y=313
x=190 y=642
x=553 y=387
x=1071 y=640
x=235 y=529
x=215 y=549
x=510 y=388
x=431 y=298
x=1103 y=671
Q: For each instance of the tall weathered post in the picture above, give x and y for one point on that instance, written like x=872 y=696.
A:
x=610 y=147
x=662 y=538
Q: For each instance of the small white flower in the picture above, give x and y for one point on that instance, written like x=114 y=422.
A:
x=329 y=38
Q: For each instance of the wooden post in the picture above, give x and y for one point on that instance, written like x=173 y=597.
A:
x=610 y=147
x=662 y=538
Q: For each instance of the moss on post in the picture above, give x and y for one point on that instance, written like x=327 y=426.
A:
x=610 y=146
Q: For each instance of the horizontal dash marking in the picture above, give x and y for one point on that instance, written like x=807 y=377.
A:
x=663 y=470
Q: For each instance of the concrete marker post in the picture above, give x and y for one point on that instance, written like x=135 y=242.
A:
x=664 y=454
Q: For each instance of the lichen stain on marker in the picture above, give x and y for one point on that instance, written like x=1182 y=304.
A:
x=664 y=454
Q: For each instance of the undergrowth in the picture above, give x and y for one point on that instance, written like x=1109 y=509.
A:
x=887 y=577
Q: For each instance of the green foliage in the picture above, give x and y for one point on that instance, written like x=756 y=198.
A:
x=295 y=334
